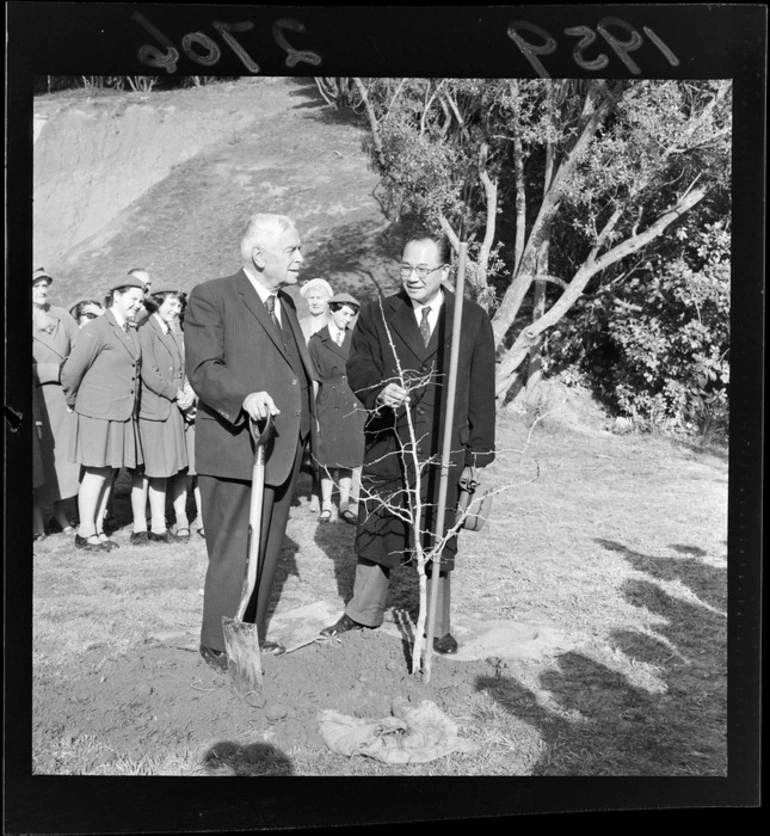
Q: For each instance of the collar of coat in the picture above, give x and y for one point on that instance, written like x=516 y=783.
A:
x=399 y=314
x=251 y=300
x=129 y=340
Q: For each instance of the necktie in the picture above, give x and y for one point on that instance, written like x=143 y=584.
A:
x=126 y=327
x=340 y=337
x=425 y=325
x=270 y=305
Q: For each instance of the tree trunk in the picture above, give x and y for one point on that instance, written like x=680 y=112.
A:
x=506 y=370
x=598 y=104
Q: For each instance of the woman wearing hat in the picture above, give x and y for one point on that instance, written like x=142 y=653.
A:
x=340 y=436
x=85 y=310
x=101 y=381
x=54 y=333
x=316 y=293
x=161 y=425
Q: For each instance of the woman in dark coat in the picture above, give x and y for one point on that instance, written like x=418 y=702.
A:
x=340 y=434
x=161 y=425
x=54 y=333
x=101 y=381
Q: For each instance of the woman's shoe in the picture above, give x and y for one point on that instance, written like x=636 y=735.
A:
x=324 y=517
x=105 y=540
x=166 y=537
x=348 y=516
x=83 y=543
x=183 y=535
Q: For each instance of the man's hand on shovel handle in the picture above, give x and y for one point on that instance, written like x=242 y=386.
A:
x=258 y=405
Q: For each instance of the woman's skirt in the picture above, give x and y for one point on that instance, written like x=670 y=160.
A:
x=163 y=446
x=98 y=442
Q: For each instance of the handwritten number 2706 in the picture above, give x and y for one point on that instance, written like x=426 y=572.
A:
x=203 y=50
x=621 y=48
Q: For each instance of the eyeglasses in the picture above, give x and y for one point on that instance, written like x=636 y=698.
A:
x=422 y=270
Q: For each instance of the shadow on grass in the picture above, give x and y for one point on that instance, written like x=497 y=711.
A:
x=604 y=724
x=253 y=759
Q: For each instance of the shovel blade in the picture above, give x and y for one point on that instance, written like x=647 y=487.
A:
x=243 y=660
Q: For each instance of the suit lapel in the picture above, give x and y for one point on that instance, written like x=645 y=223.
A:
x=403 y=322
x=129 y=341
x=252 y=301
x=49 y=339
x=167 y=340
x=290 y=320
x=442 y=333
x=342 y=350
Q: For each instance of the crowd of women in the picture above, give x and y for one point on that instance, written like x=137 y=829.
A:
x=110 y=393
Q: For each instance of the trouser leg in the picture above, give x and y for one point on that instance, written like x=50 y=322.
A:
x=441 y=626
x=370 y=590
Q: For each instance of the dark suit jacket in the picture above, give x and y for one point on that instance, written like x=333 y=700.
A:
x=101 y=377
x=162 y=370
x=233 y=349
x=373 y=364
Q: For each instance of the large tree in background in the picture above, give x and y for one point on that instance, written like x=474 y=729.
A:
x=554 y=183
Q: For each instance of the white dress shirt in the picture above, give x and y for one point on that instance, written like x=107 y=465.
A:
x=264 y=293
x=435 y=309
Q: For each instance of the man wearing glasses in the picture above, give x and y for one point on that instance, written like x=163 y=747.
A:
x=398 y=365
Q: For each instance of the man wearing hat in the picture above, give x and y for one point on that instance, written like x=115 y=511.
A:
x=246 y=359
x=399 y=361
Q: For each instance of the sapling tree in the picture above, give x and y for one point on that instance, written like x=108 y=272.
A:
x=410 y=501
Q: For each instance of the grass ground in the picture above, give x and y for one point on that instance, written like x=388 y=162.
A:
x=618 y=545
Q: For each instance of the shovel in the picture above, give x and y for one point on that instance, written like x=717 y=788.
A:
x=241 y=639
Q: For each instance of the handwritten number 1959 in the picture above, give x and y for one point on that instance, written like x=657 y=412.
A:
x=204 y=50
x=533 y=51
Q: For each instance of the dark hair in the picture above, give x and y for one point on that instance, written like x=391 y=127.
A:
x=338 y=306
x=155 y=300
x=76 y=310
x=438 y=238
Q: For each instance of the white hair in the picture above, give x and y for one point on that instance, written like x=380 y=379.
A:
x=315 y=284
x=260 y=230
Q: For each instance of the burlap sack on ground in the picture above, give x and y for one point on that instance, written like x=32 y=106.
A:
x=412 y=735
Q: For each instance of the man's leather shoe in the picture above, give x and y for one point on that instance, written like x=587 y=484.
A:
x=344 y=624
x=216 y=659
x=446 y=645
x=138 y=538
x=275 y=648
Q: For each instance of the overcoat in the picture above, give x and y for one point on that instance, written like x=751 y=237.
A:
x=225 y=365
x=340 y=439
x=161 y=424
x=387 y=336
x=50 y=348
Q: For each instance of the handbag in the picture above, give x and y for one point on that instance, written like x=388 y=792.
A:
x=475 y=508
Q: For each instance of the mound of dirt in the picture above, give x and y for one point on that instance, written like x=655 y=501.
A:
x=182 y=704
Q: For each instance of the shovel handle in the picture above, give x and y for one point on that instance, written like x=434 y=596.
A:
x=260 y=438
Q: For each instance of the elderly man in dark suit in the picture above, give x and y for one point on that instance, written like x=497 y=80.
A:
x=246 y=358
x=399 y=361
